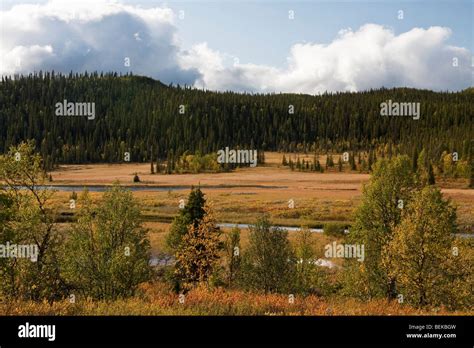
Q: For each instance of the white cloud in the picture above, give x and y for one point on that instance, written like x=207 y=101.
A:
x=91 y=35
x=100 y=34
x=370 y=57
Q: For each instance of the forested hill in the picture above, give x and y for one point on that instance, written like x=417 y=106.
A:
x=137 y=113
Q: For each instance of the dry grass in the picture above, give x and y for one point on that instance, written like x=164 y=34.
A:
x=318 y=198
x=156 y=299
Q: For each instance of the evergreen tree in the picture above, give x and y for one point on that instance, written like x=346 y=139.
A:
x=190 y=215
x=317 y=166
x=370 y=160
x=76 y=140
x=198 y=253
x=352 y=161
x=152 y=166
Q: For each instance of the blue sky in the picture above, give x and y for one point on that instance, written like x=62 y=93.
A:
x=260 y=32
x=248 y=45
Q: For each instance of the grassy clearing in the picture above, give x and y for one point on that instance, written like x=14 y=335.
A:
x=319 y=198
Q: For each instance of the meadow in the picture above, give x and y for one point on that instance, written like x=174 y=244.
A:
x=240 y=196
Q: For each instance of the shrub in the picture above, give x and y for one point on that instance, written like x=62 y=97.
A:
x=269 y=262
x=107 y=252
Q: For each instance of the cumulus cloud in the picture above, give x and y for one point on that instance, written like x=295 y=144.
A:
x=92 y=35
x=370 y=57
x=100 y=35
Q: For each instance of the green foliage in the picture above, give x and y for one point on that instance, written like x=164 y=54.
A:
x=268 y=264
x=309 y=278
x=384 y=197
x=107 y=251
x=191 y=214
x=232 y=254
x=28 y=221
x=197 y=163
x=329 y=122
x=329 y=161
x=5 y=205
x=352 y=162
x=421 y=256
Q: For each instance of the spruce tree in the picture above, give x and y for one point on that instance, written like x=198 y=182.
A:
x=152 y=167
x=198 y=253
x=190 y=215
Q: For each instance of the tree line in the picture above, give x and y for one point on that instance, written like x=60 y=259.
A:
x=158 y=123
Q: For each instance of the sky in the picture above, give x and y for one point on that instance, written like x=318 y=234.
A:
x=248 y=46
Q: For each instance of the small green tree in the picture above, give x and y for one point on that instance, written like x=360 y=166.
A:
x=107 y=254
x=352 y=161
x=191 y=214
x=269 y=262
x=232 y=252
x=329 y=161
x=305 y=258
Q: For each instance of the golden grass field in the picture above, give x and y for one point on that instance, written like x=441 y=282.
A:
x=318 y=197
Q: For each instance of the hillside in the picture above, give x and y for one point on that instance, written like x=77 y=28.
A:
x=137 y=113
